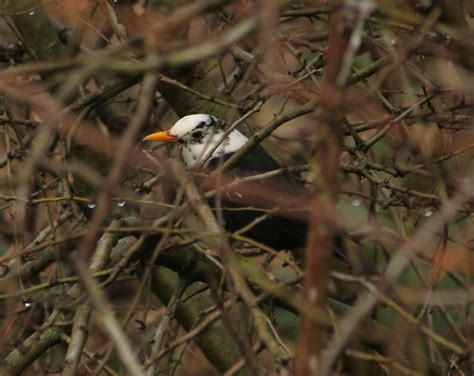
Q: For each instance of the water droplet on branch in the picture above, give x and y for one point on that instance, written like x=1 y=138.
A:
x=356 y=202
x=428 y=213
x=121 y=204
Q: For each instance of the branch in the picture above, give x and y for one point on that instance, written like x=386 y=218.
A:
x=183 y=283
x=217 y=344
x=32 y=26
x=81 y=317
x=111 y=324
x=366 y=302
x=32 y=348
x=346 y=26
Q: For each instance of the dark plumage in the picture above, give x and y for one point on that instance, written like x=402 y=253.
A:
x=285 y=226
x=278 y=231
x=204 y=142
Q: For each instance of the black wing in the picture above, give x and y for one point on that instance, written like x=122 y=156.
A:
x=280 y=230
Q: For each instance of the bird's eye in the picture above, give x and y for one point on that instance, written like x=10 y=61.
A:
x=196 y=135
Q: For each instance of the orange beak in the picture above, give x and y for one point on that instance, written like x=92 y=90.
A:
x=160 y=136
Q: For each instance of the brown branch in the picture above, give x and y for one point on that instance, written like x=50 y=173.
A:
x=396 y=266
x=81 y=317
x=111 y=324
x=318 y=251
x=32 y=348
x=166 y=320
x=121 y=159
x=261 y=135
x=235 y=279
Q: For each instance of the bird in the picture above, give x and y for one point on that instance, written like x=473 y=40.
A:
x=266 y=207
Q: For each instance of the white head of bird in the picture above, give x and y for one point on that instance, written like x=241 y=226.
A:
x=197 y=135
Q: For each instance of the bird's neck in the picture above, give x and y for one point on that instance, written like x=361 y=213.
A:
x=194 y=154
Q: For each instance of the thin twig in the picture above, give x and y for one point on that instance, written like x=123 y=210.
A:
x=166 y=321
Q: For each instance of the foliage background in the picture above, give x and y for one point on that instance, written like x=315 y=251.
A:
x=109 y=258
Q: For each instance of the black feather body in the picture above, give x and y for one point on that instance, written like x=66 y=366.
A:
x=279 y=229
